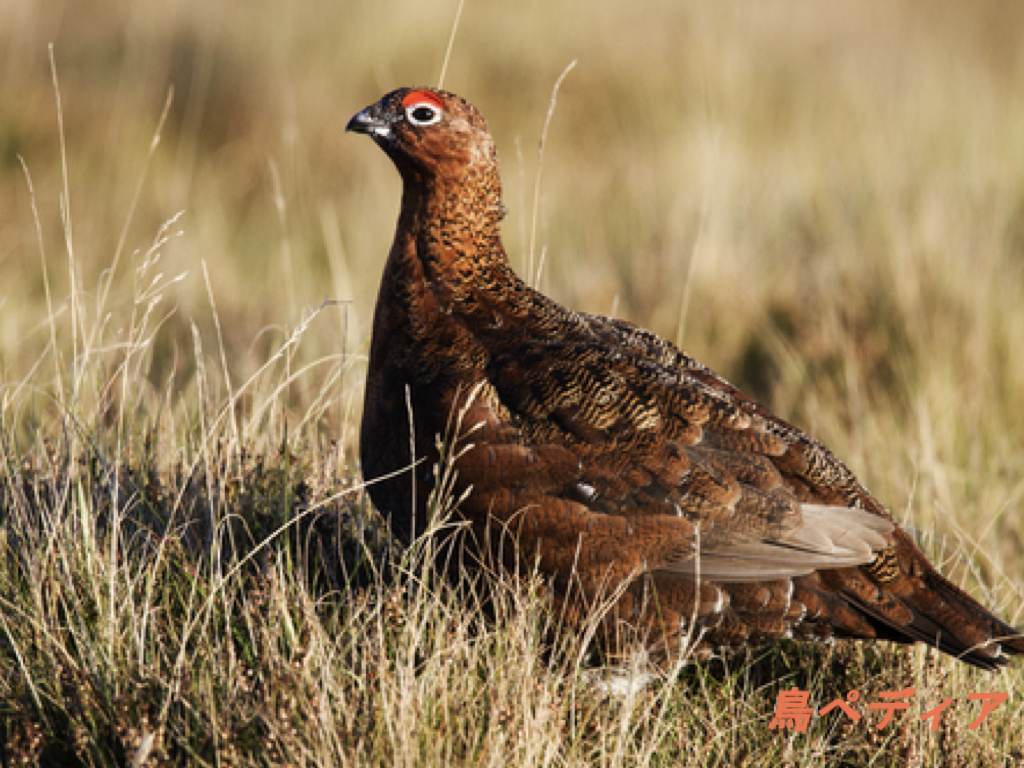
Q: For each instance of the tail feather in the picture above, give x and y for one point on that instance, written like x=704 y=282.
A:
x=923 y=629
x=902 y=598
x=932 y=610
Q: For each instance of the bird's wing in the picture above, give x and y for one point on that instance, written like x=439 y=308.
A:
x=633 y=441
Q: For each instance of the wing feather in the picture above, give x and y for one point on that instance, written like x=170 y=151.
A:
x=827 y=537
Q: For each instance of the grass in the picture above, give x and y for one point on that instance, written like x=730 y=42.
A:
x=822 y=204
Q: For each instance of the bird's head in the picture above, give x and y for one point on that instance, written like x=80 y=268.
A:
x=427 y=132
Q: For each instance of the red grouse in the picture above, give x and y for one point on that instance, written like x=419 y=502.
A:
x=604 y=455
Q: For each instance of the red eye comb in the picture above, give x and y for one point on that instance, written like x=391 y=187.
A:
x=418 y=97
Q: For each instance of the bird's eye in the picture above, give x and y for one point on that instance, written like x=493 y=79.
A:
x=422 y=114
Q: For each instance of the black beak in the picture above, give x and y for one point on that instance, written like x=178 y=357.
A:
x=371 y=122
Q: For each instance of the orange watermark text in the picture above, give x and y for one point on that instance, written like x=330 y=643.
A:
x=792 y=710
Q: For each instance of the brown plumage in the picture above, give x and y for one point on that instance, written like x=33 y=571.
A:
x=602 y=453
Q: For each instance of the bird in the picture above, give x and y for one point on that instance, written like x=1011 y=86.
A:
x=622 y=470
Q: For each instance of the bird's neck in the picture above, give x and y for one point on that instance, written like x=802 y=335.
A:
x=448 y=288
x=448 y=249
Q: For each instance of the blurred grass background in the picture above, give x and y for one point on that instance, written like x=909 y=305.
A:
x=823 y=202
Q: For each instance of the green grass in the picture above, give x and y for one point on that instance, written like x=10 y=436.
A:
x=823 y=204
